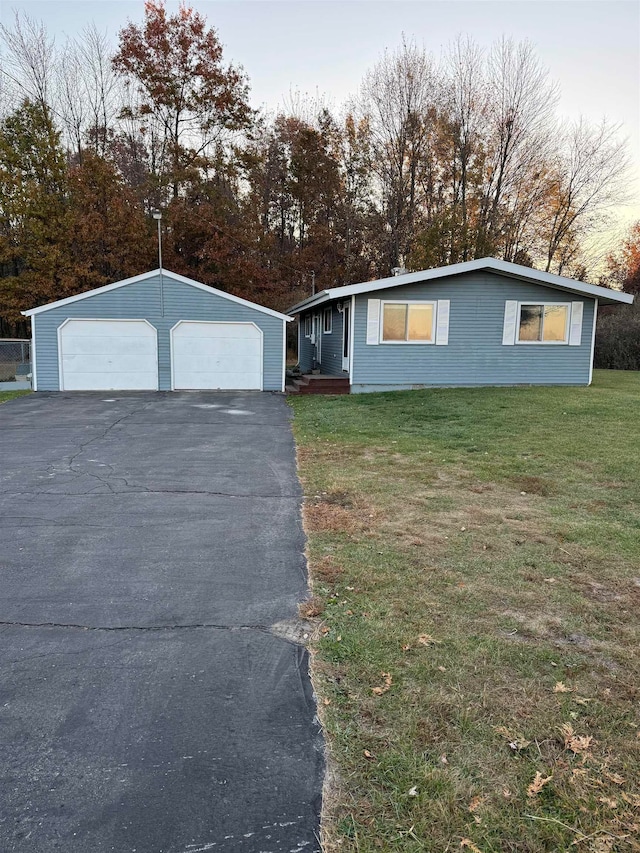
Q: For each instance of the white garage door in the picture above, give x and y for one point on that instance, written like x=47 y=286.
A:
x=108 y=355
x=216 y=356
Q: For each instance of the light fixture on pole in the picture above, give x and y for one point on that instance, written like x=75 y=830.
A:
x=157 y=215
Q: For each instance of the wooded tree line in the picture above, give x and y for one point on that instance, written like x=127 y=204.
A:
x=433 y=162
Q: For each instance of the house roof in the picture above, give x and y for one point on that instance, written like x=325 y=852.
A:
x=603 y=294
x=166 y=274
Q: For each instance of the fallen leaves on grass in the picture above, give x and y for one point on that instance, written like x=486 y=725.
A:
x=539 y=781
x=427 y=640
x=388 y=681
x=311 y=608
x=516 y=741
x=368 y=755
x=475 y=803
x=562 y=688
x=579 y=744
x=467 y=842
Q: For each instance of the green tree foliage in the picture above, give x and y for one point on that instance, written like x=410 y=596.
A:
x=34 y=212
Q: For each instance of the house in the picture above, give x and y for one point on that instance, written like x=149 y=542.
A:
x=156 y=331
x=482 y=322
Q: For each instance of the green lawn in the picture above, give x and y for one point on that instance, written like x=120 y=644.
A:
x=9 y=395
x=475 y=557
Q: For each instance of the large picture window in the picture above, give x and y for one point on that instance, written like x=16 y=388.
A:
x=407 y=322
x=540 y=323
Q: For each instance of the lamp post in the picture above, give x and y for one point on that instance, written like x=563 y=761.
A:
x=157 y=215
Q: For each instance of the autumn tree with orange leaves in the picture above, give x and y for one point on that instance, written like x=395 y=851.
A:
x=181 y=98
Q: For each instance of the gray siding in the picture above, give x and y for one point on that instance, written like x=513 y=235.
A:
x=331 y=345
x=475 y=354
x=141 y=301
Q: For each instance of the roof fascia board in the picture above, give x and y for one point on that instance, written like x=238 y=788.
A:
x=142 y=277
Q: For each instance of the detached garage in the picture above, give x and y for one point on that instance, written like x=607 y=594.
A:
x=157 y=331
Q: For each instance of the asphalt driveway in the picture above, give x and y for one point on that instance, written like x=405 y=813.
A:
x=153 y=695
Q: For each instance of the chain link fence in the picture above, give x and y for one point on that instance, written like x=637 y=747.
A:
x=15 y=359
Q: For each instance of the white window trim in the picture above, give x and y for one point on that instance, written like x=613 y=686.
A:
x=329 y=312
x=567 y=324
x=434 y=313
x=308 y=321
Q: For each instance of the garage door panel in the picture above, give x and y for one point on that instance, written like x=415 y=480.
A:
x=194 y=330
x=212 y=348
x=216 y=356
x=108 y=348
x=108 y=355
x=105 y=382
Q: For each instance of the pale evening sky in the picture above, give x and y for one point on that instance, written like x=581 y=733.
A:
x=591 y=47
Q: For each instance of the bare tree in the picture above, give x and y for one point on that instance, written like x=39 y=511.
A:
x=587 y=181
x=520 y=127
x=28 y=59
x=101 y=85
x=465 y=117
x=399 y=98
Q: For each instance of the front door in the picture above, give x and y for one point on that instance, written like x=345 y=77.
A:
x=346 y=335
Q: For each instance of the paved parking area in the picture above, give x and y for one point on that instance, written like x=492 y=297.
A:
x=152 y=694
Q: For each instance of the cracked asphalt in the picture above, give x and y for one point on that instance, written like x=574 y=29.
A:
x=153 y=698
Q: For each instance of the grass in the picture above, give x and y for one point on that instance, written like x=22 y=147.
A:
x=9 y=395
x=475 y=560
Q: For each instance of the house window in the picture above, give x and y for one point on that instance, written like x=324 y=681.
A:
x=408 y=322
x=327 y=320
x=307 y=326
x=543 y=324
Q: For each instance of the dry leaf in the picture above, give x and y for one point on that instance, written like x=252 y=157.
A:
x=561 y=688
x=413 y=792
x=614 y=777
x=516 y=741
x=387 y=684
x=443 y=759
x=427 y=640
x=368 y=754
x=442 y=668
x=538 y=784
x=326 y=701
x=475 y=803
x=632 y=799
x=613 y=804
x=467 y=842
x=576 y=743
x=506 y=793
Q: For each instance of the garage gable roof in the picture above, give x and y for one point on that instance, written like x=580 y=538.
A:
x=174 y=276
x=604 y=294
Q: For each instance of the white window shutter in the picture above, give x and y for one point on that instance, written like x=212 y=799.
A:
x=373 y=321
x=442 y=323
x=510 y=320
x=575 y=328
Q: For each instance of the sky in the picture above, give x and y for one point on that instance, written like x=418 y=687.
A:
x=324 y=47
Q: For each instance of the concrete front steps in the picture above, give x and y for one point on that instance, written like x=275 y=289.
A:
x=318 y=383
